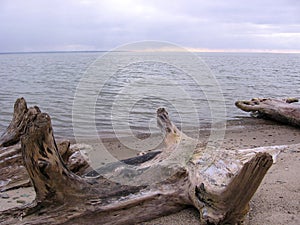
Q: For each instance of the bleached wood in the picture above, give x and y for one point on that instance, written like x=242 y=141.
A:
x=215 y=181
x=279 y=110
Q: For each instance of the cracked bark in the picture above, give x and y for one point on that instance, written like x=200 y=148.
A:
x=282 y=111
x=219 y=183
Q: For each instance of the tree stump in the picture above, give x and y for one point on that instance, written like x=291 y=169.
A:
x=13 y=174
x=218 y=183
x=14 y=130
x=279 y=110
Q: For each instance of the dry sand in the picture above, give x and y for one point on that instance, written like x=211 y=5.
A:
x=276 y=202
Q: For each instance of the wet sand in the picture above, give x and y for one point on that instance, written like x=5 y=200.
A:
x=277 y=201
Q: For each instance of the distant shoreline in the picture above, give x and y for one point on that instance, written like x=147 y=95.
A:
x=54 y=52
x=104 y=51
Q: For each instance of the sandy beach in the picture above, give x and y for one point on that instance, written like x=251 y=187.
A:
x=277 y=201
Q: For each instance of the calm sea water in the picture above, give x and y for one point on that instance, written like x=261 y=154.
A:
x=126 y=88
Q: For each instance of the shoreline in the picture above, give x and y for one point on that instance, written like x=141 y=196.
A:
x=277 y=200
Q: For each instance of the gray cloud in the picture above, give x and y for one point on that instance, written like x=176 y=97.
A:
x=36 y=25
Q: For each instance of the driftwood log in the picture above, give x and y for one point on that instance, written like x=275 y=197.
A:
x=279 y=110
x=13 y=173
x=218 y=183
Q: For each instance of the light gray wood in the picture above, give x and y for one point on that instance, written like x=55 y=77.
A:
x=279 y=110
x=217 y=182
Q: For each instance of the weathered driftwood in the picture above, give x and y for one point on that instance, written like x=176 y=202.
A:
x=13 y=174
x=280 y=110
x=218 y=183
x=13 y=132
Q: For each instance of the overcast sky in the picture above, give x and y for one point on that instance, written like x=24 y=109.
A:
x=51 y=25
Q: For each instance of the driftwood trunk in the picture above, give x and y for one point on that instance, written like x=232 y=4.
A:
x=218 y=183
x=13 y=173
x=279 y=110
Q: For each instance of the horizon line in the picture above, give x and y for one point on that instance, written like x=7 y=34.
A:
x=56 y=51
x=284 y=51
x=190 y=49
